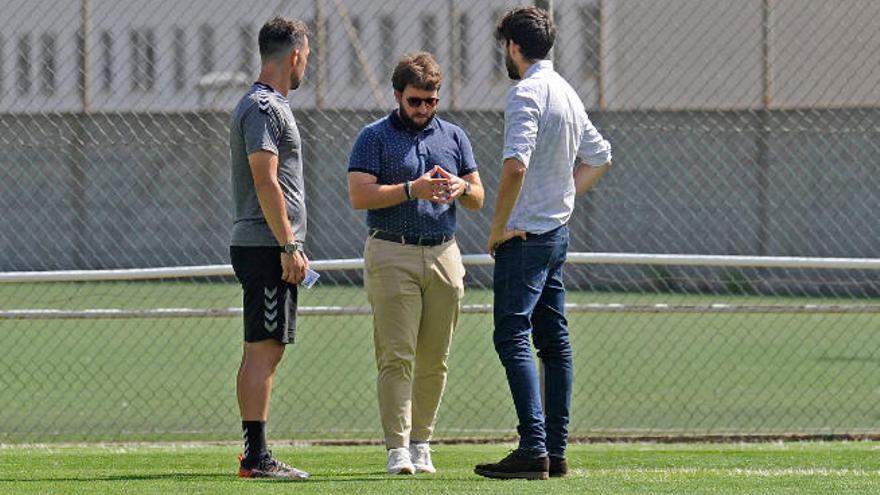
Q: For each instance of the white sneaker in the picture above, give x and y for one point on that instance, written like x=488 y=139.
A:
x=421 y=457
x=399 y=461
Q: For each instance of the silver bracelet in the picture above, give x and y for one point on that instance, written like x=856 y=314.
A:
x=407 y=189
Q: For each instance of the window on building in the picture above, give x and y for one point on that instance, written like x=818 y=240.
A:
x=590 y=23
x=247 y=42
x=206 y=52
x=106 y=61
x=556 y=52
x=314 y=29
x=47 y=64
x=178 y=49
x=314 y=48
x=80 y=60
x=464 y=28
x=355 y=74
x=143 y=59
x=388 y=42
x=23 y=65
x=2 y=64
x=429 y=33
x=499 y=70
x=150 y=56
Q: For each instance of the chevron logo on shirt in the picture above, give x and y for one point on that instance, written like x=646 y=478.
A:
x=268 y=107
x=263 y=102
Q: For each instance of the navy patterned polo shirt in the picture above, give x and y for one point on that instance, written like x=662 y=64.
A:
x=394 y=154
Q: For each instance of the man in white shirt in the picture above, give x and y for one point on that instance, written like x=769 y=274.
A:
x=552 y=153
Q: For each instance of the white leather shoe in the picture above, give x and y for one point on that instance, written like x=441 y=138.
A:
x=420 y=453
x=399 y=461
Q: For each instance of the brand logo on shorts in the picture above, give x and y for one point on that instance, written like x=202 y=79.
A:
x=270 y=314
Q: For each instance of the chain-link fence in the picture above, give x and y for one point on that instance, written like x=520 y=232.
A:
x=738 y=128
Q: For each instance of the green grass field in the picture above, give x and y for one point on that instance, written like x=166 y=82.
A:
x=635 y=373
x=788 y=468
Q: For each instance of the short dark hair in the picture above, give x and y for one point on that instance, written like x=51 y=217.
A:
x=529 y=27
x=281 y=35
x=417 y=69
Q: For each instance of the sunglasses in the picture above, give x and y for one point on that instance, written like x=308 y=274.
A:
x=416 y=102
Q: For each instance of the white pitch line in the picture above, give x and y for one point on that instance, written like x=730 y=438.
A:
x=740 y=472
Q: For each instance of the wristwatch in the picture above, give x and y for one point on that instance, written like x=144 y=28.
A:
x=290 y=248
x=467 y=189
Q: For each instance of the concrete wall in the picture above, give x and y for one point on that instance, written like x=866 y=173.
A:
x=153 y=189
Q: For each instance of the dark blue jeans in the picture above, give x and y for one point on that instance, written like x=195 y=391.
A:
x=530 y=299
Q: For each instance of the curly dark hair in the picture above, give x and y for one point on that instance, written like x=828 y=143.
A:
x=281 y=35
x=417 y=69
x=529 y=27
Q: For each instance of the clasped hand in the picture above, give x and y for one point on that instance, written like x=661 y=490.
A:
x=439 y=186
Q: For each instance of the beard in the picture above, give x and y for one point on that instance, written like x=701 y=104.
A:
x=512 y=70
x=297 y=74
x=410 y=123
x=295 y=81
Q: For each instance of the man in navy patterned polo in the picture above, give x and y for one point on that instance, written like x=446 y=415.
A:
x=408 y=170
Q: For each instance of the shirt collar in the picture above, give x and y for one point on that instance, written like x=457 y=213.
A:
x=262 y=85
x=538 y=66
x=398 y=124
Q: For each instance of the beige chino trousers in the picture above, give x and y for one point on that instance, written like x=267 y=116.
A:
x=415 y=293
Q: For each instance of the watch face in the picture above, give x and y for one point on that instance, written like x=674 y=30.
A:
x=290 y=248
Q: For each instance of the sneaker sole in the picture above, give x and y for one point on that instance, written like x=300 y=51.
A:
x=247 y=473
x=525 y=475
x=403 y=470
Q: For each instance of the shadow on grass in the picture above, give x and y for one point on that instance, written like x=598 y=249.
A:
x=203 y=477
x=384 y=478
x=123 y=477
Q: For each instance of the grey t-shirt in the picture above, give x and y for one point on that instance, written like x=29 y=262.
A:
x=263 y=121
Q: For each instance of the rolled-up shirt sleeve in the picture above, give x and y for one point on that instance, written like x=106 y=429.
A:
x=521 y=118
x=594 y=150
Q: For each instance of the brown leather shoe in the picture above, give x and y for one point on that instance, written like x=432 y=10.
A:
x=516 y=465
x=558 y=467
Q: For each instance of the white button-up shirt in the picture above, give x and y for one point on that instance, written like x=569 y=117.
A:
x=546 y=128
